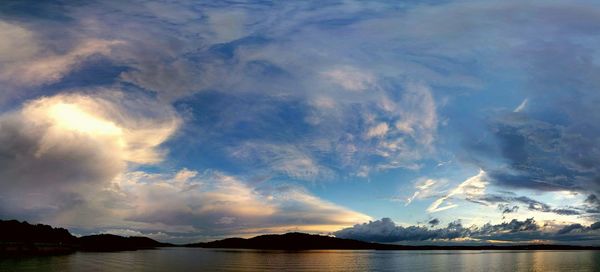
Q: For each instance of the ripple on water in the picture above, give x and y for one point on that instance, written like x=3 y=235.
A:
x=198 y=259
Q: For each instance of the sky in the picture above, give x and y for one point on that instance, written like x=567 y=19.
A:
x=408 y=122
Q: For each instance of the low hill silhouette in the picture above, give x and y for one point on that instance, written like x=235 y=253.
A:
x=290 y=241
x=303 y=241
x=15 y=231
x=22 y=238
x=111 y=242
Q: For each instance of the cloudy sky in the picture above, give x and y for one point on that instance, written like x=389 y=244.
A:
x=389 y=121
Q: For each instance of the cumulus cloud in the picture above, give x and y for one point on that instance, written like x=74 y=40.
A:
x=378 y=131
x=570 y=228
x=67 y=158
x=513 y=226
x=385 y=230
x=55 y=149
x=528 y=230
x=263 y=90
x=578 y=232
x=220 y=204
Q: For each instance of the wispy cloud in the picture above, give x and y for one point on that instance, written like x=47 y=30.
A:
x=295 y=91
x=471 y=188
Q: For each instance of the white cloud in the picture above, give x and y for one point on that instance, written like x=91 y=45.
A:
x=425 y=188
x=377 y=131
x=350 y=78
x=17 y=43
x=521 y=106
x=418 y=114
x=28 y=61
x=289 y=160
x=469 y=189
x=101 y=118
x=66 y=160
x=57 y=151
x=227 y=24
x=195 y=54
x=25 y=63
x=219 y=204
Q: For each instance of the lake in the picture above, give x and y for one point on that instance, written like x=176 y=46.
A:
x=200 y=259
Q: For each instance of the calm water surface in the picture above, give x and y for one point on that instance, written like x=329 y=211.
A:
x=198 y=259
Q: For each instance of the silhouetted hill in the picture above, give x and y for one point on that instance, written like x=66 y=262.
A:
x=15 y=231
x=289 y=241
x=110 y=242
x=24 y=238
x=301 y=241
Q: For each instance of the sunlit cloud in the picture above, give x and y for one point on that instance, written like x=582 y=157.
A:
x=27 y=63
x=220 y=204
x=196 y=119
x=60 y=151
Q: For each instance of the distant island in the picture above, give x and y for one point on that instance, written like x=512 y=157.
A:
x=22 y=238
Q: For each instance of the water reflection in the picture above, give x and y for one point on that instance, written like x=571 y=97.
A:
x=195 y=259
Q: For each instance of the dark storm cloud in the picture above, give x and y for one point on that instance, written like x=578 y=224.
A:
x=578 y=232
x=511 y=227
x=592 y=204
x=507 y=208
x=549 y=142
x=46 y=179
x=531 y=204
x=58 y=153
x=569 y=228
x=551 y=146
x=434 y=222
x=302 y=90
x=385 y=230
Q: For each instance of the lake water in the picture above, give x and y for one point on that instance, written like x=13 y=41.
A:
x=199 y=259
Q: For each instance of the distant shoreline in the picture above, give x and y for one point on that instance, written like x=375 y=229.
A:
x=23 y=239
x=303 y=241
